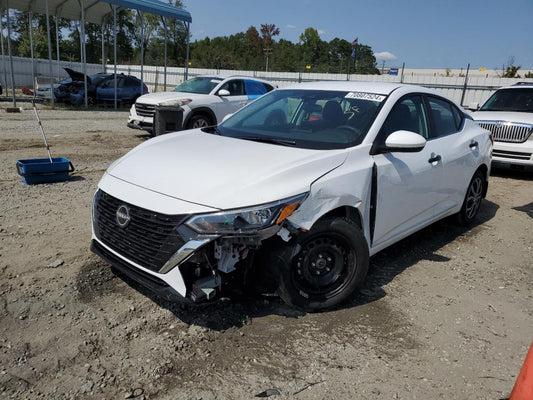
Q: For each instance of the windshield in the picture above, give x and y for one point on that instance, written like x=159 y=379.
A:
x=201 y=84
x=510 y=100
x=311 y=119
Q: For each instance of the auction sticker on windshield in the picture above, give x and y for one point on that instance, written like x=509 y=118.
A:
x=366 y=96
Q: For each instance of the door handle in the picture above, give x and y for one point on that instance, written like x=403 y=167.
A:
x=434 y=159
x=473 y=145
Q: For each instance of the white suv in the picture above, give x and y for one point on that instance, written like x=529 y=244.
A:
x=205 y=100
x=508 y=114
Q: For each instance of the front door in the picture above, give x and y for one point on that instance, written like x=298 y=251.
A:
x=407 y=184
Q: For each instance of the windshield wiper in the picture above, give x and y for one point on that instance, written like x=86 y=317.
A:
x=283 y=142
x=213 y=130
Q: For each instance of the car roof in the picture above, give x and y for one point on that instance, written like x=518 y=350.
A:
x=518 y=85
x=224 y=77
x=384 y=88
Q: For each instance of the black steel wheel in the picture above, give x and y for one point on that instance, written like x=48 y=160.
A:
x=330 y=262
x=472 y=201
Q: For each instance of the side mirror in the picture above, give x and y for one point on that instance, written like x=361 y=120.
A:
x=226 y=117
x=473 y=106
x=223 y=92
x=405 y=142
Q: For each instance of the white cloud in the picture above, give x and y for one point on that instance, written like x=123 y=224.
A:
x=289 y=26
x=321 y=32
x=385 y=56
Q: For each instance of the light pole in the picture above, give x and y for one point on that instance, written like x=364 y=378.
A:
x=267 y=52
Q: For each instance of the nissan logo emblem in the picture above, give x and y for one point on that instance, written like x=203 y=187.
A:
x=123 y=216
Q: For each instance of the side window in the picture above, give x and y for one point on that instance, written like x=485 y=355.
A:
x=255 y=89
x=444 y=120
x=132 y=83
x=458 y=116
x=109 y=84
x=408 y=115
x=235 y=87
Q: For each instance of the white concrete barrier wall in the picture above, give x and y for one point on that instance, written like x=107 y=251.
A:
x=479 y=88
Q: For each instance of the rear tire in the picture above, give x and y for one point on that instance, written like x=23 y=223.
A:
x=331 y=261
x=472 y=201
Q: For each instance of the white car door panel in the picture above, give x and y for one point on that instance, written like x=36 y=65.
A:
x=459 y=157
x=234 y=101
x=407 y=193
x=459 y=150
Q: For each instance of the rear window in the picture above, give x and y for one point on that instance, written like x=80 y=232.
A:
x=255 y=89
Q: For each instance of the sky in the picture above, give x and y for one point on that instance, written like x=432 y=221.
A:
x=420 y=33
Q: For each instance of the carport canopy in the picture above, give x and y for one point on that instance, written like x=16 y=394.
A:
x=96 y=11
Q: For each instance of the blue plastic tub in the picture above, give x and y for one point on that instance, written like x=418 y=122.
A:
x=41 y=170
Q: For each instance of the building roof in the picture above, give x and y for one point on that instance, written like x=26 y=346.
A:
x=96 y=11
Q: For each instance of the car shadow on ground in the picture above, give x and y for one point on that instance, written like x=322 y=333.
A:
x=384 y=267
x=144 y=136
x=221 y=314
x=422 y=245
x=524 y=174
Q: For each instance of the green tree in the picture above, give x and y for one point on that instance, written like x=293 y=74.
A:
x=314 y=50
x=511 y=71
x=339 y=52
x=22 y=45
x=254 y=50
x=365 y=62
x=176 y=35
x=286 y=56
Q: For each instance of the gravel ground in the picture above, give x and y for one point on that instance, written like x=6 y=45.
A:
x=444 y=314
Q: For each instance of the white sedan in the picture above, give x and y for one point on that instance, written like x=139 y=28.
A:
x=292 y=193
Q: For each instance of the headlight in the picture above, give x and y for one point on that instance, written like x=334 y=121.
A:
x=246 y=220
x=175 y=102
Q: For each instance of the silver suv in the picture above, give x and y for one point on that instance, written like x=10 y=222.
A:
x=508 y=114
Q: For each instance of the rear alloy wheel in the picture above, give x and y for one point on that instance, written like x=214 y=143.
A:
x=199 y=121
x=330 y=263
x=472 y=201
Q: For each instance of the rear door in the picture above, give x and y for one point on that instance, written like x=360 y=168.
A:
x=106 y=92
x=459 y=149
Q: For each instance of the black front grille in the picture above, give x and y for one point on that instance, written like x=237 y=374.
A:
x=145 y=110
x=149 y=239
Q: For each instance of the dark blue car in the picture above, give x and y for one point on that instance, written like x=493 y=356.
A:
x=100 y=88
x=128 y=89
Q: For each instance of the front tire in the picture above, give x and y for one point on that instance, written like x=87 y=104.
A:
x=199 y=121
x=331 y=261
x=472 y=201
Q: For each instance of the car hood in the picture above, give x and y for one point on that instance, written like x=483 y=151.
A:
x=77 y=76
x=156 y=98
x=509 y=116
x=222 y=172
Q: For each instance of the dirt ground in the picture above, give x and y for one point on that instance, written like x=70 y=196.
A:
x=444 y=314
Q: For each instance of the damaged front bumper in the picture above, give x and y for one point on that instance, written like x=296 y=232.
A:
x=171 y=257
x=200 y=270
